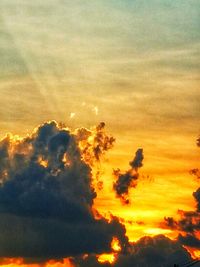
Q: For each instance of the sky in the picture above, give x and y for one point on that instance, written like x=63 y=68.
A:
x=131 y=64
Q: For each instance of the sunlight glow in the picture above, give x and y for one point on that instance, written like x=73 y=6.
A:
x=115 y=245
x=157 y=231
x=106 y=258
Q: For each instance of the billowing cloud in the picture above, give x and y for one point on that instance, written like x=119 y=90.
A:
x=46 y=195
x=128 y=179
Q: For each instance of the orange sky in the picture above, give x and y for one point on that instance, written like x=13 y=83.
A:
x=131 y=64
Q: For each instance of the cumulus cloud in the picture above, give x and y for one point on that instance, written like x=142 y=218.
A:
x=128 y=179
x=46 y=195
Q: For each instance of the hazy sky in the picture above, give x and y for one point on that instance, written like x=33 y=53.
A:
x=137 y=61
x=134 y=64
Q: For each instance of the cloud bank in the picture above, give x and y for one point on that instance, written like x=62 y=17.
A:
x=46 y=203
x=46 y=195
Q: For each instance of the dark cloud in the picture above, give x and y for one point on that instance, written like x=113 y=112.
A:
x=197 y=198
x=188 y=223
x=51 y=238
x=170 y=222
x=154 y=251
x=46 y=197
x=137 y=161
x=198 y=141
x=147 y=252
x=4 y=157
x=189 y=240
x=128 y=179
x=46 y=202
x=196 y=172
x=94 y=143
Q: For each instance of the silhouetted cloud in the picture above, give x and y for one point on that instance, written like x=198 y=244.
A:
x=189 y=240
x=154 y=251
x=128 y=179
x=46 y=196
x=188 y=223
x=94 y=143
x=147 y=252
x=198 y=141
x=197 y=198
x=46 y=202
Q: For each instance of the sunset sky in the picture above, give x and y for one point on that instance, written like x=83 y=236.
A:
x=133 y=64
